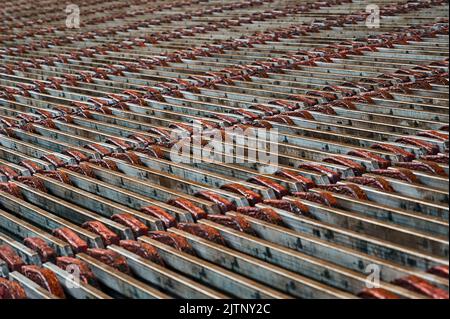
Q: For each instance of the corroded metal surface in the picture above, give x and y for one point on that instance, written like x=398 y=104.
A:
x=100 y=115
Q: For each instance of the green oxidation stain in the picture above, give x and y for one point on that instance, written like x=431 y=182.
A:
x=326 y=274
x=346 y=284
x=361 y=264
x=235 y=264
x=299 y=244
x=202 y=273
x=425 y=243
x=360 y=226
x=389 y=216
x=291 y=286
x=363 y=247
x=411 y=262
x=329 y=234
x=257 y=295
x=268 y=253
x=417 y=208
x=170 y=284
x=316 y=233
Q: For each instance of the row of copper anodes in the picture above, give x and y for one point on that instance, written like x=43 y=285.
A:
x=90 y=116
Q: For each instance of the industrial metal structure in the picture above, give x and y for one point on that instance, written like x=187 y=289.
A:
x=113 y=183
